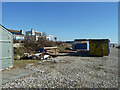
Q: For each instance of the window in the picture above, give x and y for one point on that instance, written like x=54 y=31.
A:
x=38 y=34
x=29 y=34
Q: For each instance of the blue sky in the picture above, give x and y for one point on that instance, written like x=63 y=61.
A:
x=67 y=21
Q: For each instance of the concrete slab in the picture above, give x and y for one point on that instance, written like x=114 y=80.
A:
x=8 y=76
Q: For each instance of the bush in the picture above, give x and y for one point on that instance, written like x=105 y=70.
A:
x=17 y=57
x=34 y=45
x=19 y=51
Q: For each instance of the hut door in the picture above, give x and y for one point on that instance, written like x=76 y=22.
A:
x=98 y=50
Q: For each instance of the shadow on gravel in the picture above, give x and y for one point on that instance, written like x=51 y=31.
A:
x=79 y=53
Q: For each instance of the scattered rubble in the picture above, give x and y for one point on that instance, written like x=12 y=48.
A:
x=71 y=72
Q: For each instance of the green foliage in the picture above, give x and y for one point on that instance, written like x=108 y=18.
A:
x=17 y=57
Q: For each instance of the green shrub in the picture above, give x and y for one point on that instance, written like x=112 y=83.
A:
x=17 y=57
x=18 y=51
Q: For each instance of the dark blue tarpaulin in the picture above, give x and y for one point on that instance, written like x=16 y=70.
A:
x=81 y=46
x=40 y=50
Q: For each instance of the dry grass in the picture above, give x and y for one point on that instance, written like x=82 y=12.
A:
x=22 y=63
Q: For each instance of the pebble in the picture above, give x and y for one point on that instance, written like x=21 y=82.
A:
x=70 y=72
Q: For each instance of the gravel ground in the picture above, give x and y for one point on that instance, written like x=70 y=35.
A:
x=72 y=72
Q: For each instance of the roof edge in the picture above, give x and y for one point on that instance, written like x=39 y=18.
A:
x=6 y=29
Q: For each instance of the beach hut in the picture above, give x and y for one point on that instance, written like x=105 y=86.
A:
x=99 y=47
x=6 y=48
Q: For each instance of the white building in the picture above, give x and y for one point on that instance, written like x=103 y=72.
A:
x=48 y=38
x=33 y=35
x=17 y=35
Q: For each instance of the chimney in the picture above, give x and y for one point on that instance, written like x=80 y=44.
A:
x=32 y=32
x=21 y=31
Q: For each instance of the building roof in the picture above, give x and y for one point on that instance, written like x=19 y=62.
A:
x=91 y=39
x=38 y=32
x=99 y=39
x=16 y=32
x=13 y=30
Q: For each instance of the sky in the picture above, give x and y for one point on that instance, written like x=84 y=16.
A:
x=65 y=20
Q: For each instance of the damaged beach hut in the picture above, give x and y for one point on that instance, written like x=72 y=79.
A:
x=80 y=44
x=96 y=47
x=99 y=47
